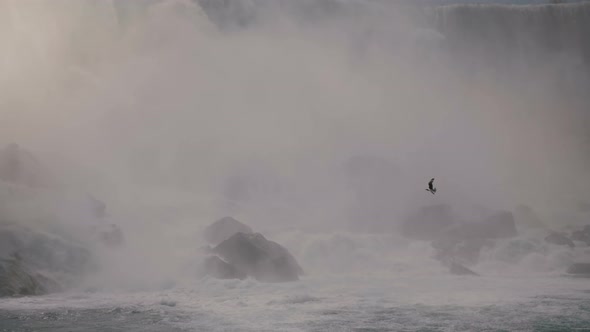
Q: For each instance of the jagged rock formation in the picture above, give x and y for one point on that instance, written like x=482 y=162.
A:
x=223 y=229
x=33 y=263
x=217 y=268
x=559 y=239
x=373 y=181
x=255 y=256
x=458 y=269
x=19 y=166
x=428 y=222
x=579 y=268
x=497 y=226
x=582 y=235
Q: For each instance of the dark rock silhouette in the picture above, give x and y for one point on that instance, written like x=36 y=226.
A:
x=223 y=229
x=24 y=253
x=526 y=217
x=582 y=235
x=19 y=166
x=260 y=258
x=217 y=268
x=97 y=207
x=579 y=268
x=113 y=236
x=465 y=251
x=372 y=180
x=560 y=239
x=428 y=222
x=15 y=280
x=458 y=269
x=497 y=226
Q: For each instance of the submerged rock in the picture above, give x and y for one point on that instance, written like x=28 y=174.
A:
x=559 y=239
x=255 y=256
x=223 y=229
x=579 y=268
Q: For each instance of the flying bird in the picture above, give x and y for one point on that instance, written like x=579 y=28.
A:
x=431 y=187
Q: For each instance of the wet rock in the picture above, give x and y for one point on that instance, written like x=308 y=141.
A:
x=19 y=166
x=582 y=235
x=428 y=222
x=559 y=239
x=113 y=236
x=458 y=269
x=259 y=258
x=373 y=181
x=24 y=253
x=223 y=229
x=18 y=280
x=497 y=226
x=97 y=207
x=217 y=268
x=464 y=251
x=525 y=217
x=579 y=268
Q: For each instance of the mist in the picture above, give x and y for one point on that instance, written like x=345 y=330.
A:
x=310 y=118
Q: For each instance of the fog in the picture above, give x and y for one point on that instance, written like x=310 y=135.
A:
x=316 y=118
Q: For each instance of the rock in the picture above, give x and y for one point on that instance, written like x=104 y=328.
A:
x=24 y=253
x=428 y=222
x=458 y=269
x=373 y=181
x=96 y=207
x=223 y=229
x=260 y=258
x=113 y=236
x=217 y=268
x=499 y=225
x=582 y=235
x=464 y=251
x=525 y=217
x=579 y=268
x=15 y=280
x=18 y=166
x=559 y=239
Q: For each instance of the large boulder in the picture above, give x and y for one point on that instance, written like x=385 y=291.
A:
x=582 y=235
x=525 y=217
x=463 y=242
x=259 y=258
x=579 y=268
x=19 y=166
x=223 y=229
x=559 y=239
x=373 y=182
x=112 y=236
x=464 y=251
x=428 y=223
x=16 y=280
x=217 y=268
x=497 y=226
x=460 y=270
x=32 y=262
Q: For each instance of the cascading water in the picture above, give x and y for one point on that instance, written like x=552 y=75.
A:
x=317 y=124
